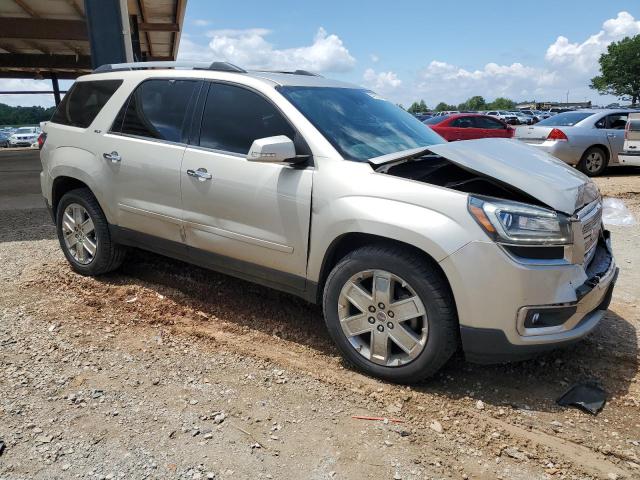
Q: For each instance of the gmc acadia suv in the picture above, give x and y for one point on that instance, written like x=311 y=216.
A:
x=414 y=246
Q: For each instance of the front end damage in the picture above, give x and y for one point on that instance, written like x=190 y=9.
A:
x=518 y=296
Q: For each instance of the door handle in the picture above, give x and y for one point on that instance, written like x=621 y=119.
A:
x=611 y=135
x=201 y=174
x=113 y=156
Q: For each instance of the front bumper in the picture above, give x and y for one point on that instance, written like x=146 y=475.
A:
x=492 y=312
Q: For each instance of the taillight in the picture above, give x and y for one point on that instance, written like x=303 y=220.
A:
x=41 y=140
x=626 y=131
x=557 y=134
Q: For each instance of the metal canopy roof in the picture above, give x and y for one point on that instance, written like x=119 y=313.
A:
x=39 y=38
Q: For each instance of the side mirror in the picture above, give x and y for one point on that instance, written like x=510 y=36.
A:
x=272 y=150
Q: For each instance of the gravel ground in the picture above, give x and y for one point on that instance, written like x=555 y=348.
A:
x=165 y=370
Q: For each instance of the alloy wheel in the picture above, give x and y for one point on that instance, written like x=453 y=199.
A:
x=594 y=161
x=383 y=318
x=79 y=234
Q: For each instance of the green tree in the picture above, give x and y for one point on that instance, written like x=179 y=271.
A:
x=475 y=103
x=24 y=115
x=501 y=103
x=441 y=107
x=620 y=70
x=418 y=107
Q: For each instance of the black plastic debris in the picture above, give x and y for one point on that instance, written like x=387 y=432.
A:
x=1 y=447
x=587 y=396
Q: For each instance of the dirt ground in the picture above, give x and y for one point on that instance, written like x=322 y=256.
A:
x=165 y=370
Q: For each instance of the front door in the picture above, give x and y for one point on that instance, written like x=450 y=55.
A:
x=253 y=217
x=144 y=152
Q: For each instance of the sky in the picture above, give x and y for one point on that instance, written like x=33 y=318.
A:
x=410 y=50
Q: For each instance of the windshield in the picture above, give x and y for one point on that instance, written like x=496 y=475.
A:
x=568 y=119
x=358 y=123
x=25 y=130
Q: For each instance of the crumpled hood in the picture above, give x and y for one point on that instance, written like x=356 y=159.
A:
x=526 y=168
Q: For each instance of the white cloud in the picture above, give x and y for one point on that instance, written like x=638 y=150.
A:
x=583 y=57
x=199 y=22
x=374 y=58
x=567 y=66
x=381 y=81
x=250 y=49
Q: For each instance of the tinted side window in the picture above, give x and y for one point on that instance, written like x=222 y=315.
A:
x=617 y=121
x=234 y=117
x=488 y=123
x=157 y=109
x=462 y=122
x=84 y=101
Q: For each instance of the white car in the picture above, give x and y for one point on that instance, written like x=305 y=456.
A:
x=24 y=137
x=630 y=154
x=506 y=117
x=414 y=246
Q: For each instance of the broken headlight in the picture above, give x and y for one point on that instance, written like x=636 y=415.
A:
x=519 y=223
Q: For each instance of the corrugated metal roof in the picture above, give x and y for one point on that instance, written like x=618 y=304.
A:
x=33 y=48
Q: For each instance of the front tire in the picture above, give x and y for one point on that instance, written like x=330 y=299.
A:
x=593 y=162
x=391 y=313
x=83 y=232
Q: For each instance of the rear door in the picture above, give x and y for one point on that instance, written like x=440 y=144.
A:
x=144 y=152
x=490 y=127
x=463 y=128
x=254 y=217
x=614 y=127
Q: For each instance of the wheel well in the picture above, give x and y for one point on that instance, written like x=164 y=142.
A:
x=62 y=185
x=349 y=242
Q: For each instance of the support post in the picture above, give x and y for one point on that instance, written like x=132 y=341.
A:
x=107 y=36
x=56 y=88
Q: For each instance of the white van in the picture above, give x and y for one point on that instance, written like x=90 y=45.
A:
x=631 y=150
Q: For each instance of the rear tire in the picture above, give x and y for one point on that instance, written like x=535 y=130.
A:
x=415 y=283
x=83 y=232
x=593 y=162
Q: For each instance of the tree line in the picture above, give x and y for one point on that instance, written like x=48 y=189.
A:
x=24 y=115
x=474 y=103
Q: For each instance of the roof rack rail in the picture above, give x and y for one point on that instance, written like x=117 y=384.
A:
x=216 y=66
x=293 y=72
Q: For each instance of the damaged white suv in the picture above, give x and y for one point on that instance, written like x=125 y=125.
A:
x=414 y=246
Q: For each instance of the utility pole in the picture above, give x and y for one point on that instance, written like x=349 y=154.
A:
x=567 y=98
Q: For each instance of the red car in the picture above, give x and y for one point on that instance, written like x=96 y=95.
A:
x=469 y=126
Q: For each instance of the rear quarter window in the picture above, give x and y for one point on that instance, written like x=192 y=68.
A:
x=83 y=102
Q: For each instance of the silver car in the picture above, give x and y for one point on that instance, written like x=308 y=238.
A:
x=414 y=246
x=588 y=139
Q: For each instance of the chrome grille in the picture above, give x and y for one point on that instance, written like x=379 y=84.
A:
x=591 y=222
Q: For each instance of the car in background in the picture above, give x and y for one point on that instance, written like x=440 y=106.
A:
x=589 y=139
x=524 y=119
x=469 y=126
x=446 y=112
x=24 y=137
x=505 y=116
x=423 y=116
x=4 y=140
x=631 y=150
x=557 y=110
